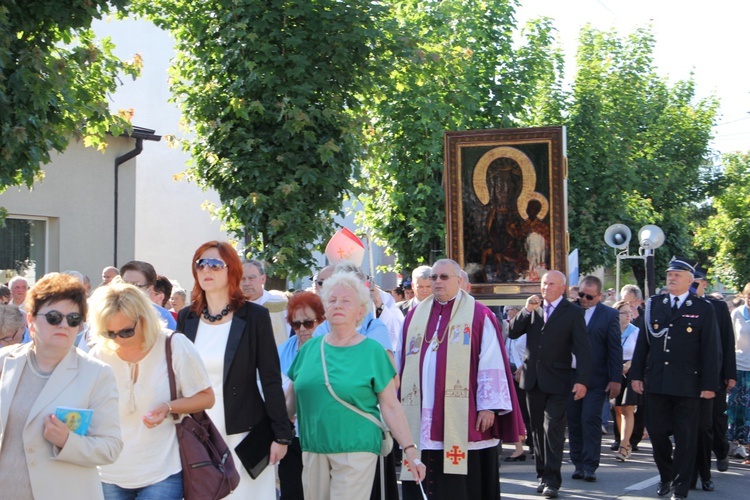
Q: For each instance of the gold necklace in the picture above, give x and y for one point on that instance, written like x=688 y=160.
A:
x=434 y=341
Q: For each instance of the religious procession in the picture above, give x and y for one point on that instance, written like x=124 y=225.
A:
x=373 y=250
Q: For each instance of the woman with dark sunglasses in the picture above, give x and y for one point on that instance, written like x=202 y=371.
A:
x=305 y=312
x=130 y=338
x=40 y=457
x=235 y=339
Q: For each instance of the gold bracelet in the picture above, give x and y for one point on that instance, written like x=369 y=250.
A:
x=169 y=407
x=411 y=446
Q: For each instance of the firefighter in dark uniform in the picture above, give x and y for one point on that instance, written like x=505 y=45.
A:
x=676 y=364
x=712 y=426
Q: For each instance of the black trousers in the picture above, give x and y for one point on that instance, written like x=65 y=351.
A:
x=547 y=415
x=481 y=482
x=704 y=442
x=290 y=473
x=677 y=416
x=720 y=444
x=524 y=414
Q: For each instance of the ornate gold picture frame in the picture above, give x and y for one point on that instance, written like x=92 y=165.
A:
x=506 y=207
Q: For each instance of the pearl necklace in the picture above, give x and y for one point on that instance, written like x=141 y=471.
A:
x=34 y=367
x=218 y=317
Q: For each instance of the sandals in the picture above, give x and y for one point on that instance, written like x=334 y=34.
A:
x=623 y=453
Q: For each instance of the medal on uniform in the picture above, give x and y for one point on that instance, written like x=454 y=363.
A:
x=689 y=329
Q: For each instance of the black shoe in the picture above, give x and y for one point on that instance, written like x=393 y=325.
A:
x=519 y=458
x=662 y=489
x=722 y=464
x=550 y=492
x=589 y=476
x=540 y=487
x=634 y=447
x=578 y=474
x=615 y=446
x=707 y=485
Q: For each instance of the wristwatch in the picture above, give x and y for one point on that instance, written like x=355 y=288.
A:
x=286 y=442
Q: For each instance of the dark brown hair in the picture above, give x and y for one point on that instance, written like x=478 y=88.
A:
x=55 y=287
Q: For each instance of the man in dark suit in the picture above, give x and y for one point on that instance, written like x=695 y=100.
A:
x=585 y=415
x=713 y=422
x=554 y=332
x=677 y=354
x=420 y=284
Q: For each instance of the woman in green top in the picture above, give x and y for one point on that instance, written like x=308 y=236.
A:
x=340 y=447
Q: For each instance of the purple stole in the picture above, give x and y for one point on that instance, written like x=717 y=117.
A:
x=507 y=427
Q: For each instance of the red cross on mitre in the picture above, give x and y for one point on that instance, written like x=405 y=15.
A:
x=455 y=455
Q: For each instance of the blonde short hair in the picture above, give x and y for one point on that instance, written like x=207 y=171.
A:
x=121 y=297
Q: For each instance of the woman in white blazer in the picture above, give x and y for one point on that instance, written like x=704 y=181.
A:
x=39 y=456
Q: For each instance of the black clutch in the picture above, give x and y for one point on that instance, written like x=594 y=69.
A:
x=253 y=451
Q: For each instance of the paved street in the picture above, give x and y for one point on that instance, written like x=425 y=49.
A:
x=634 y=479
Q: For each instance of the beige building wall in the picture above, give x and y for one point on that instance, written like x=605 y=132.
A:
x=76 y=199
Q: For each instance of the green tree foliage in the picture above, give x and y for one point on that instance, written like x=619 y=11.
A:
x=269 y=93
x=454 y=65
x=54 y=82
x=726 y=234
x=637 y=146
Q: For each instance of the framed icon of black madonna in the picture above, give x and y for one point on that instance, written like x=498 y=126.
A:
x=506 y=207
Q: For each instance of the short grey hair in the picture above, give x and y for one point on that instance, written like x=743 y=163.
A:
x=79 y=276
x=632 y=289
x=347 y=266
x=450 y=262
x=256 y=263
x=16 y=279
x=11 y=319
x=349 y=280
x=421 y=273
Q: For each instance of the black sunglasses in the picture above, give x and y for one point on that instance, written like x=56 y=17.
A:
x=588 y=297
x=308 y=323
x=212 y=264
x=54 y=318
x=443 y=277
x=125 y=333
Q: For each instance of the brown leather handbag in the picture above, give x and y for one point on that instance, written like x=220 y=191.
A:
x=208 y=469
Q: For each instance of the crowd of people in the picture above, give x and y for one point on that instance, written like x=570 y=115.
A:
x=342 y=371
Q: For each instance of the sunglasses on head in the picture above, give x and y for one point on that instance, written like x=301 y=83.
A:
x=443 y=277
x=588 y=297
x=54 y=318
x=125 y=333
x=212 y=264
x=308 y=323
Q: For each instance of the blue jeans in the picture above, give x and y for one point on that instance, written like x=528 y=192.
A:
x=169 y=488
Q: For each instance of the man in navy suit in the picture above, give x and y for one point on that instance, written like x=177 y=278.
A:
x=585 y=415
x=555 y=329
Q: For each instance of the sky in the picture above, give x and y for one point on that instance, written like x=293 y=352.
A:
x=711 y=39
